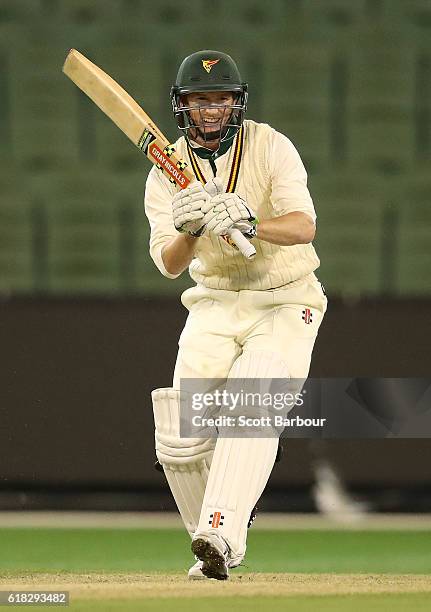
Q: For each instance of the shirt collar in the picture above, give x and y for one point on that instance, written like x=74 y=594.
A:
x=204 y=153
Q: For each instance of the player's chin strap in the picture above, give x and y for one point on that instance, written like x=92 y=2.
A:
x=225 y=144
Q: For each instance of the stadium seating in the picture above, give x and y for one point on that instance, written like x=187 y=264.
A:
x=20 y=11
x=16 y=236
x=413 y=236
x=380 y=105
x=349 y=230
x=348 y=82
x=335 y=13
x=299 y=76
x=81 y=12
x=83 y=246
x=43 y=129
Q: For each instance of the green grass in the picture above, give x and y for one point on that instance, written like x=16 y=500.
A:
x=155 y=551
x=400 y=602
x=144 y=550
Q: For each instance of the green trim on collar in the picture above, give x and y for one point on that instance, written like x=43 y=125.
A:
x=204 y=153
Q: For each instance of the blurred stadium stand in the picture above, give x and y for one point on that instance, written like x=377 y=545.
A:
x=348 y=82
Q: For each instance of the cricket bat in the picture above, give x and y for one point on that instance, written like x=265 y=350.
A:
x=126 y=113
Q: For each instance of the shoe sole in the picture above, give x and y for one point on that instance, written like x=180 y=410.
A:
x=214 y=563
x=196 y=577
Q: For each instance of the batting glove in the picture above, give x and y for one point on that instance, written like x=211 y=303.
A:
x=187 y=209
x=227 y=211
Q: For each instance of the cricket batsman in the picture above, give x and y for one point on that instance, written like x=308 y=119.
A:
x=247 y=318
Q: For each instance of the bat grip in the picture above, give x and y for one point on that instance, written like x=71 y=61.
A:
x=244 y=245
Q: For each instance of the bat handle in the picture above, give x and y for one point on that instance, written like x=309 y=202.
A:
x=244 y=245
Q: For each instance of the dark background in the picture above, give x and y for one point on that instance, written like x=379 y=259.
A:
x=76 y=415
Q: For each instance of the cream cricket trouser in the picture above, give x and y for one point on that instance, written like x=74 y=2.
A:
x=224 y=324
x=245 y=334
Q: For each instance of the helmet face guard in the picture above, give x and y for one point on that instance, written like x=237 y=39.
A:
x=229 y=123
x=205 y=72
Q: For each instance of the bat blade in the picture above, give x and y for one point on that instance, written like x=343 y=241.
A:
x=110 y=97
x=126 y=113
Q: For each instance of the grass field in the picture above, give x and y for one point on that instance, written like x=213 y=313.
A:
x=285 y=569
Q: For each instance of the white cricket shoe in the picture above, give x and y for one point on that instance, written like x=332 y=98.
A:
x=213 y=554
x=195 y=572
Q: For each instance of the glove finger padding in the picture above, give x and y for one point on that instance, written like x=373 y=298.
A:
x=224 y=211
x=236 y=214
x=190 y=216
x=187 y=209
x=188 y=191
x=214 y=186
x=195 y=199
x=216 y=224
x=181 y=208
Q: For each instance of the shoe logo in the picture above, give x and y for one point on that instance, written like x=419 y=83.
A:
x=208 y=64
x=307 y=316
x=216 y=519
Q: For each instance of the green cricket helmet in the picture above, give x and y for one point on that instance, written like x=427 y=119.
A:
x=209 y=71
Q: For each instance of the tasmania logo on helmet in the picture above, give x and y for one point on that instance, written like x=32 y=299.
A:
x=208 y=64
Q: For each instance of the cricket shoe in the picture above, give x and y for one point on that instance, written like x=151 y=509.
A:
x=214 y=555
x=195 y=572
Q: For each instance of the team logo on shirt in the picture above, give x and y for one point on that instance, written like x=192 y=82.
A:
x=307 y=316
x=208 y=64
x=216 y=519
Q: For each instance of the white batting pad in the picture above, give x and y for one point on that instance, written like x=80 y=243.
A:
x=239 y=472
x=241 y=466
x=186 y=461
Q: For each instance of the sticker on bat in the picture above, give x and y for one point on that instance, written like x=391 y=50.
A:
x=168 y=167
x=169 y=150
x=145 y=140
x=229 y=240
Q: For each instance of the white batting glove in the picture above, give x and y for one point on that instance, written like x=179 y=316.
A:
x=187 y=211
x=226 y=211
x=248 y=228
x=214 y=186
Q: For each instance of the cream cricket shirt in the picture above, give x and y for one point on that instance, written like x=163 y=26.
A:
x=273 y=181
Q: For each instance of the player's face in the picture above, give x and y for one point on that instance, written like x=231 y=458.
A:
x=210 y=112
